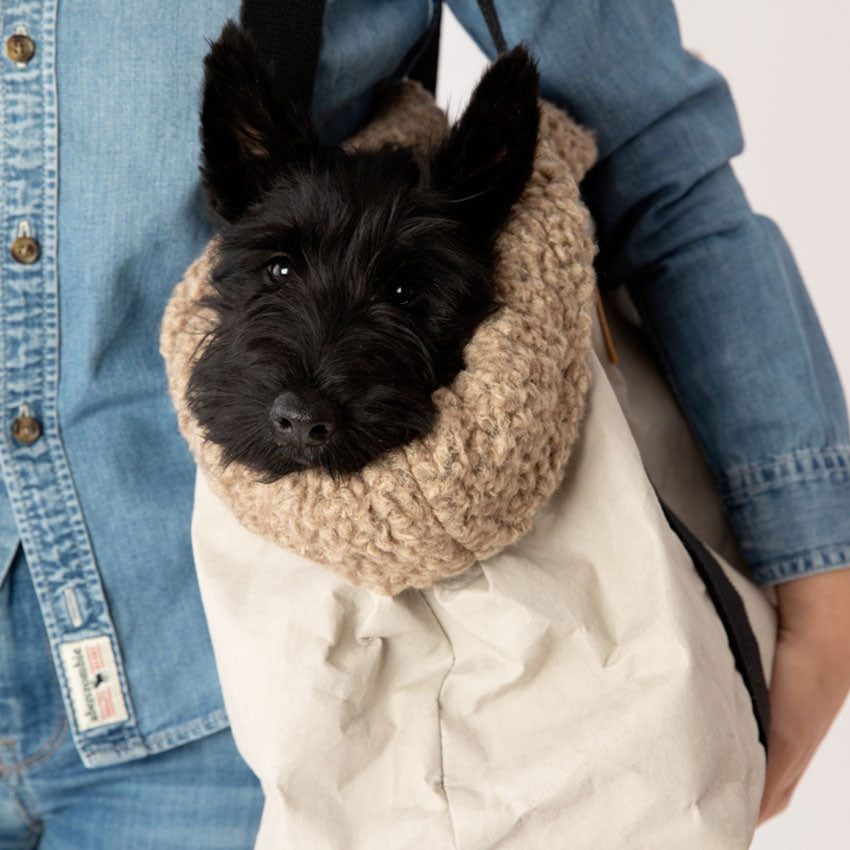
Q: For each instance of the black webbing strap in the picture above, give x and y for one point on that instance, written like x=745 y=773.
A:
x=733 y=615
x=287 y=36
x=421 y=61
x=488 y=9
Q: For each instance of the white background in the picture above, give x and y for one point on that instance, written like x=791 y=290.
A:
x=789 y=68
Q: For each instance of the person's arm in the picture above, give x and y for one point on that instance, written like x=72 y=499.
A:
x=717 y=288
x=723 y=302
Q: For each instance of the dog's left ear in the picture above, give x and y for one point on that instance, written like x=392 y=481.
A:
x=249 y=132
x=487 y=158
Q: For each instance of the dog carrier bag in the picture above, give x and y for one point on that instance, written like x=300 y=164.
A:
x=494 y=636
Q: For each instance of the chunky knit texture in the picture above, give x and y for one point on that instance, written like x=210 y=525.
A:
x=429 y=510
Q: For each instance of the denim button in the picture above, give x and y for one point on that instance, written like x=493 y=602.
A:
x=20 y=48
x=26 y=428
x=25 y=250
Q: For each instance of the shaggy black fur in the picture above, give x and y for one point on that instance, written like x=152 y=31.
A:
x=347 y=283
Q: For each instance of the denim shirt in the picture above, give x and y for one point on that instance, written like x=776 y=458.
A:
x=99 y=165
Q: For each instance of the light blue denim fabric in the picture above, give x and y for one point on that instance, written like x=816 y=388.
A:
x=99 y=156
x=197 y=797
x=100 y=160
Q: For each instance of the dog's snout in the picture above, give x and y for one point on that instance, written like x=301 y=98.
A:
x=303 y=421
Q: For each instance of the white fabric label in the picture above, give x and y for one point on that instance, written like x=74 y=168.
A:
x=93 y=682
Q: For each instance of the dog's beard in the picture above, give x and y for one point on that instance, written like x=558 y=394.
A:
x=233 y=398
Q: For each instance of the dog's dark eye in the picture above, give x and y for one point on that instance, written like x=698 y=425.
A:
x=279 y=269
x=402 y=294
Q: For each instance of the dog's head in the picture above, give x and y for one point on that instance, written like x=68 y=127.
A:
x=346 y=284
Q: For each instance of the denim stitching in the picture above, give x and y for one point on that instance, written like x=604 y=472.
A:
x=822 y=560
x=792 y=468
x=5 y=774
x=56 y=736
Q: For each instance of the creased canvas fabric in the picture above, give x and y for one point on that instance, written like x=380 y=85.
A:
x=575 y=691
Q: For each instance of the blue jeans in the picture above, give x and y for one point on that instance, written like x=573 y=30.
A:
x=200 y=795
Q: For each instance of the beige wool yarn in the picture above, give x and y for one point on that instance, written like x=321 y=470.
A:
x=431 y=509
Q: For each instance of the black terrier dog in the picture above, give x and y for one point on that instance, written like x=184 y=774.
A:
x=346 y=284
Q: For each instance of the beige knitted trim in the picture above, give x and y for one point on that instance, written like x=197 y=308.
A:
x=431 y=509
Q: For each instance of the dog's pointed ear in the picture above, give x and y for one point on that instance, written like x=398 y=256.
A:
x=487 y=158
x=248 y=131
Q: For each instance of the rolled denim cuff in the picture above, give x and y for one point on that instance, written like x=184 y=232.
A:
x=792 y=515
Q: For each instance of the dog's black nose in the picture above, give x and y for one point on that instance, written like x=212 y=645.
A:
x=303 y=420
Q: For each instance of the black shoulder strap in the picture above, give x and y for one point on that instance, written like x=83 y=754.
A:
x=420 y=62
x=491 y=18
x=288 y=37
x=730 y=609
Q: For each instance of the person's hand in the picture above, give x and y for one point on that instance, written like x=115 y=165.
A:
x=811 y=678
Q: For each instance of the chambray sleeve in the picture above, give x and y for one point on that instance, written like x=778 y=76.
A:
x=716 y=285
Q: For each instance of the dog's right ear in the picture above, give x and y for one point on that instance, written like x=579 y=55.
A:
x=486 y=160
x=249 y=133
